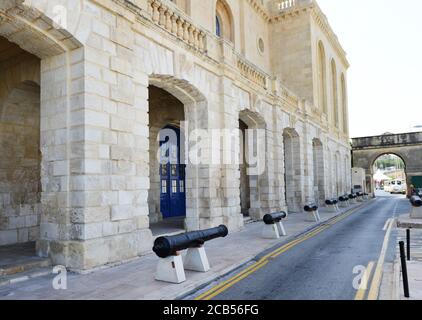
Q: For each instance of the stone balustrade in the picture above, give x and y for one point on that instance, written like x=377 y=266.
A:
x=167 y=17
x=251 y=72
x=286 y=5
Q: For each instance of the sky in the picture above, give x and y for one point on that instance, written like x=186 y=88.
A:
x=383 y=41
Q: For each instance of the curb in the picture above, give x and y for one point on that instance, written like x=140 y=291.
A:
x=243 y=263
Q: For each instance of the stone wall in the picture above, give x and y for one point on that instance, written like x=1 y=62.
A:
x=20 y=158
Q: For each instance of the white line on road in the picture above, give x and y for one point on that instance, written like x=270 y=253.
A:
x=386 y=224
x=376 y=281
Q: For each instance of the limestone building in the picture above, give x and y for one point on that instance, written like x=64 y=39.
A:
x=87 y=87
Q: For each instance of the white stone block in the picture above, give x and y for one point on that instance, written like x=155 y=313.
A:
x=170 y=270
x=196 y=260
x=270 y=231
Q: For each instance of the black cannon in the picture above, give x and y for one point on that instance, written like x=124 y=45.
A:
x=311 y=208
x=273 y=218
x=331 y=202
x=169 y=246
x=416 y=201
x=343 y=198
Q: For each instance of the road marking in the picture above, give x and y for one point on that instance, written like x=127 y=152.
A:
x=360 y=295
x=386 y=224
x=218 y=289
x=376 y=281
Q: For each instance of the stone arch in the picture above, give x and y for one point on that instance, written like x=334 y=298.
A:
x=224 y=22
x=335 y=92
x=322 y=78
x=337 y=175
x=38 y=36
x=344 y=104
x=319 y=170
x=293 y=170
x=195 y=116
x=252 y=175
x=34 y=31
x=20 y=164
x=371 y=160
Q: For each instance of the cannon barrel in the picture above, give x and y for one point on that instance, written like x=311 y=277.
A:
x=331 y=202
x=311 y=207
x=343 y=198
x=274 y=217
x=168 y=246
x=416 y=201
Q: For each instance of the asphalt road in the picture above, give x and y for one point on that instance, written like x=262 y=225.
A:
x=322 y=267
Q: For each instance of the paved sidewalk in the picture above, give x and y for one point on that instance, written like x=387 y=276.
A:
x=414 y=267
x=135 y=280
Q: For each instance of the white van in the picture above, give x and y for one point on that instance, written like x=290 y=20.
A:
x=397 y=186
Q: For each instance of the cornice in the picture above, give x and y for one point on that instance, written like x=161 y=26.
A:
x=258 y=7
x=320 y=19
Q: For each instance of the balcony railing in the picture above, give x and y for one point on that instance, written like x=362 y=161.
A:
x=251 y=72
x=287 y=5
x=167 y=17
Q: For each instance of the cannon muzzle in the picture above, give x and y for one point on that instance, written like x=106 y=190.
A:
x=274 y=217
x=169 y=246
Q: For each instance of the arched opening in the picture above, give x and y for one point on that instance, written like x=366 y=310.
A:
x=20 y=155
x=167 y=194
x=252 y=130
x=337 y=175
x=344 y=104
x=293 y=170
x=335 y=93
x=322 y=78
x=245 y=191
x=389 y=175
x=20 y=165
x=319 y=170
x=224 y=27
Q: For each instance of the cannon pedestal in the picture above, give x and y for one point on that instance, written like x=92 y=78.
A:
x=333 y=208
x=196 y=260
x=344 y=204
x=315 y=215
x=281 y=231
x=270 y=231
x=171 y=270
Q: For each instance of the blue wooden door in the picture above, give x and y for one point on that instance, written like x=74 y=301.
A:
x=172 y=174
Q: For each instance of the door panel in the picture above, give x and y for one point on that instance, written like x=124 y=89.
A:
x=173 y=195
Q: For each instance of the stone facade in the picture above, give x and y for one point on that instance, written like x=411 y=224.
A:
x=97 y=79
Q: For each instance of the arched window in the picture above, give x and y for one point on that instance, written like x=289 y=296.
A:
x=344 y=104
x=322 y=78
x=224 y=21
x=217 y=26
x=335 y=92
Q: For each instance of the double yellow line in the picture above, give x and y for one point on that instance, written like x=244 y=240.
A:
x=218 y=289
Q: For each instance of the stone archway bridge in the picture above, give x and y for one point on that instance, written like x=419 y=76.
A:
x=407 y=146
